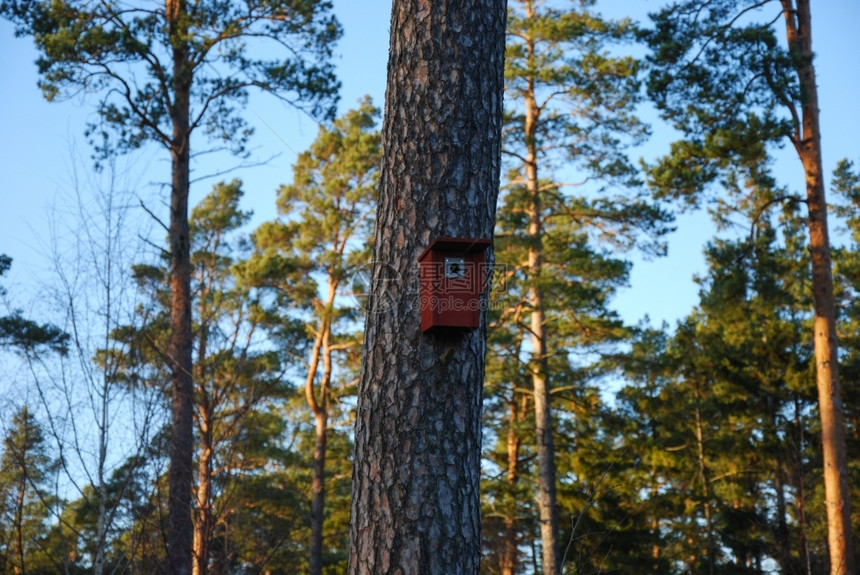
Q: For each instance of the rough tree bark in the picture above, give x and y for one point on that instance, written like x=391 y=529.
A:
x=416 y=504
x=798 y=24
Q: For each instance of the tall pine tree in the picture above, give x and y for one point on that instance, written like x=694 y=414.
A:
x=305 y=260
x=416 y=503
x=737 y=79
x=570 y=185
x=160 y=74
x=25 y=497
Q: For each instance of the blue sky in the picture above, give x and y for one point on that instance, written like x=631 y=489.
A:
x=40 y=139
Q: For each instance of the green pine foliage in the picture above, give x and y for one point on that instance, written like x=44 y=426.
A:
x=19 y=333
x=721 y=417
x=124 y=54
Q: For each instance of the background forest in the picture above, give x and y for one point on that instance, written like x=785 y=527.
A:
x=611 y=442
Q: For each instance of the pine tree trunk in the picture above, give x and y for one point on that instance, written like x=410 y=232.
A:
x=544 y=432
x=547 y=506
x=180 y=528
x=808 y=145
x=318 y=494
x=320 y=412
x=782 y=535
x=416 y=503
x=800 y=484
x=706 y=487
x=321 y=352
x=203 y=510
x=19 y=568
x=510 y=557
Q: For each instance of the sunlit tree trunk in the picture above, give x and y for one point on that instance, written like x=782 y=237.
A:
x=808 y=145
x=321 y=353
x=325 y=231
x=203 y=510
x=517 y=407
x=318 y=492
x=203 y=513
x=543 y=420
x=547 y=506
x=416 y=504
x=656 y=548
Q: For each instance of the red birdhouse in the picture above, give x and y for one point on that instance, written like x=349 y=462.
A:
x=454 y=274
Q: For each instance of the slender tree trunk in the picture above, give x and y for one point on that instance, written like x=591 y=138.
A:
x=656 y=484
x=800 y=486
x=704 y=477
x=416 y=502
x=510 y=556
x=20 y=568
x=318 y=495
x=203 y=510
x=656 y=548
x=103 y=419
x=101 y=487
x=808 y=144
x=540 y=368
x=547 y=507
x=320 y=411
x=783 y=538
x=543 y=430
x=180 y=527
x=782 y=535
x=321 y=351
